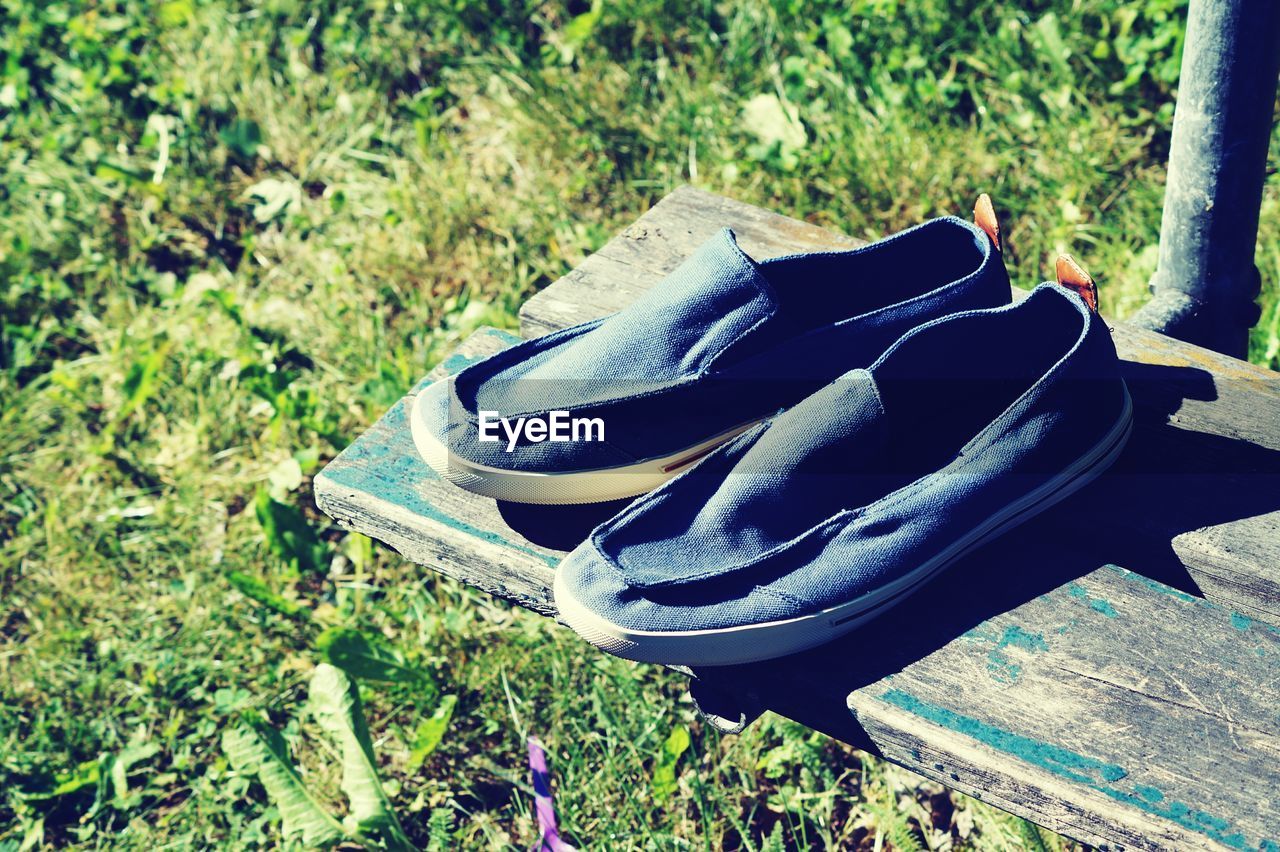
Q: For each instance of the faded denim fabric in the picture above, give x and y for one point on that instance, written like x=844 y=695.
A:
x=721 y=342
x=866 y=479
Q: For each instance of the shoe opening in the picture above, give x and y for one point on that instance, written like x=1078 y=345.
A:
x=942 y=385
x=815 y=290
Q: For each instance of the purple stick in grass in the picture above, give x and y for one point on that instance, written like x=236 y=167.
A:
x=542 y=802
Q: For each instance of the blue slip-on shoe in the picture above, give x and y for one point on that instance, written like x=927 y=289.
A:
x=809 y=524
x=614 y=407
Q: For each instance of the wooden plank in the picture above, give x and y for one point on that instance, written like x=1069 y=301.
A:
x=1134 y=676
x=1094 y=701
x=1196 y=499
x=379 y=486
x=1105 y=710
x=1017 y=669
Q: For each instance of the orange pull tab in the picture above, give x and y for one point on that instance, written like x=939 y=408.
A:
x=984 y=216
x=1072 y=276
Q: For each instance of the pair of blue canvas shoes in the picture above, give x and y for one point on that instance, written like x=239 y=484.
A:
x=815 y=436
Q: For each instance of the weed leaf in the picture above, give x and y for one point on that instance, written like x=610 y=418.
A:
x=335 y=704
x=777 y=127
x=362 y=657
x=256 y=589
x=580 y=28
x=275 y=198
x=431 y=732
x=84 y=775
x=289 y=534
x=664 y=770
x=440 y=828
x=242 y=136
x=257 y=749
x=140 y=381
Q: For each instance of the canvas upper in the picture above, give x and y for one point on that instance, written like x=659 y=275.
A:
x=867 y=478
x=720 y=342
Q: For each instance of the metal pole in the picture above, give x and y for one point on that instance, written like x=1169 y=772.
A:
x=1206 y=281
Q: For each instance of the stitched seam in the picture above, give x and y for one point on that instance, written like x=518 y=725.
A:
x=667 y=387
x=840 y=518
x=786 y=597
x=774 y=552
x=757 y=281
x=515 y=355
x=919 y=303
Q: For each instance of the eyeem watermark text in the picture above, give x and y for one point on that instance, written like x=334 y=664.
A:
x=558 y=426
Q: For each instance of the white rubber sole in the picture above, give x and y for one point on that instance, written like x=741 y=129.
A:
x=589 y=486
x=755 y=642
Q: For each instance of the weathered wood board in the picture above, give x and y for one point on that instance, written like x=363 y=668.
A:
x=1102 y=703
x=380 y=487
x=1115 y=710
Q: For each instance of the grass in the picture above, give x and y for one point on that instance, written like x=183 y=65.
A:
x=232 y=233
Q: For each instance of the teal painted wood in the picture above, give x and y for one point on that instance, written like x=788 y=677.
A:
x=1111 y=706
x=379 y=486
x=1112 y=702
